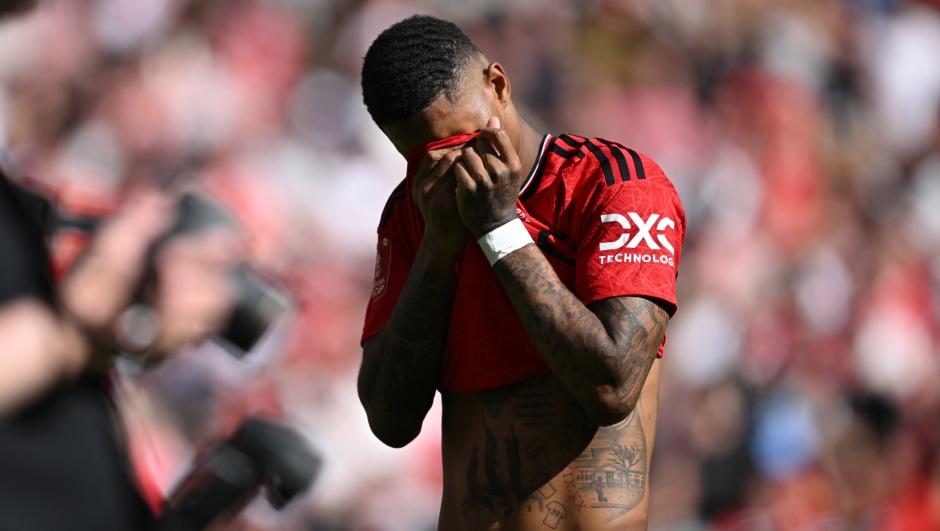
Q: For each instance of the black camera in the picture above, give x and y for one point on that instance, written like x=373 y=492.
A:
x=259 y=303
x=260 y=455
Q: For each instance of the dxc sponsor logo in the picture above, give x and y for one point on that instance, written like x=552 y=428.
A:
x=642 y=235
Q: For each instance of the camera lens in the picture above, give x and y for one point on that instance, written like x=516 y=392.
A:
x=260 y=302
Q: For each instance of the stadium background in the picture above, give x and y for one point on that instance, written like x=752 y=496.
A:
x=803 y=138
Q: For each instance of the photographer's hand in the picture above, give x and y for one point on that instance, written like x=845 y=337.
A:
x=195 y=291
x=103 y=282
x=42 y=347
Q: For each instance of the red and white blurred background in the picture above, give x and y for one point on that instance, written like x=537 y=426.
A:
x=802 y=135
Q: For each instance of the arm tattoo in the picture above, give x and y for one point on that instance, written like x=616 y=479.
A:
x=613 y=477
x=636 y=324
x=401 y=365
x=610 y=346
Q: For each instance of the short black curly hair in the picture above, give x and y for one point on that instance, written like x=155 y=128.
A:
x=411 y=64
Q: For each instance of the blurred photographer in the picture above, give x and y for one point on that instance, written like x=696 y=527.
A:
x=62 y=464
x=62 y=458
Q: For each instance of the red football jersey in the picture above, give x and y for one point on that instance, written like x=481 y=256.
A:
x=607 y=219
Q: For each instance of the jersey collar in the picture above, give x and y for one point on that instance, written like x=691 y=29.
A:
x=536 y=168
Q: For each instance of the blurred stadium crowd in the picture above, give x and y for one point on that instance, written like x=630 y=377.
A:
x=801 y=384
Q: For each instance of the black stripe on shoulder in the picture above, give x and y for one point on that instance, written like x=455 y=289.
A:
x=564 y=153
x=605 y=163
x=617 y=151
x=398 y=194
x=567 y=139
x=546 y=247
x=637 y=163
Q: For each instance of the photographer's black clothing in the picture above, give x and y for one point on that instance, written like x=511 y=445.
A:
x=61 y=465
x=24 y=264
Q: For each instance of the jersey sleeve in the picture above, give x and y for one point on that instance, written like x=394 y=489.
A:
x=631 y=240
x=395 y=252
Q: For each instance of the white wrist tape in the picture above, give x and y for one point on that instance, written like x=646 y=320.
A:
x=504 y=239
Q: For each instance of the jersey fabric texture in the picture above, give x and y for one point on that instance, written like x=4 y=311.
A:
x=606 y=218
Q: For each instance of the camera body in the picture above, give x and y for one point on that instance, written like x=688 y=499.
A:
x=261 y=454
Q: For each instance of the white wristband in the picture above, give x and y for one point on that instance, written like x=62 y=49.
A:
x=504 y=239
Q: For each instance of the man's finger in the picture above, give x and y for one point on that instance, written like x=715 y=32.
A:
x=427 y=162
x=464 y=181
x=424 y=170
x=445 y=164
x=500 y=139
x=494 y=165
x=438 y=155
x=442 y=161
x=443 y=182
x=444 y=185
x=485 y=146
x=474 y=164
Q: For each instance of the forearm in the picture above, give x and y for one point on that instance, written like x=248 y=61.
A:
x=603 y=367
x=39 y=349
x=401 y=365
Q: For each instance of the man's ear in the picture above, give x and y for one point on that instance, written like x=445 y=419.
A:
x=498 y=82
